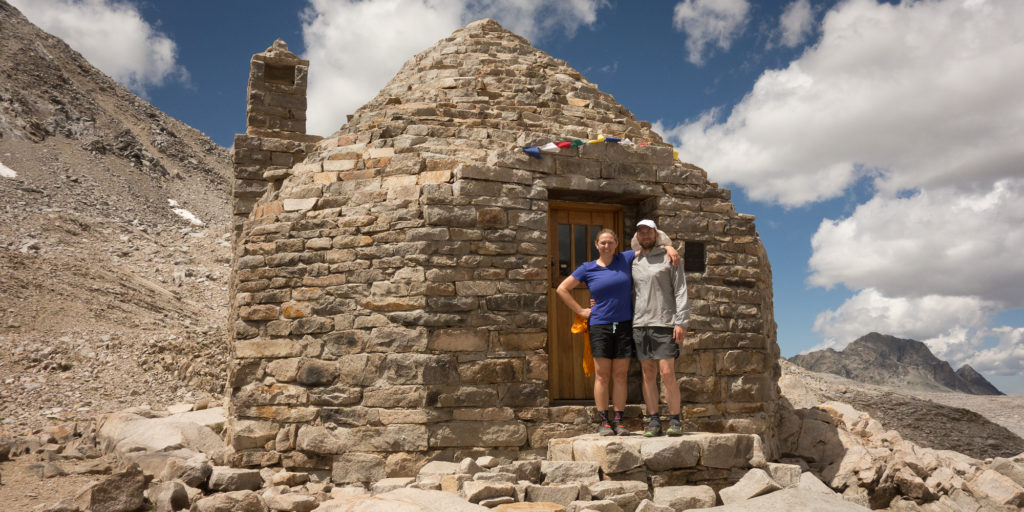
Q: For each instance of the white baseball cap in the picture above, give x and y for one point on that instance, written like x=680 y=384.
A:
x=647 y=222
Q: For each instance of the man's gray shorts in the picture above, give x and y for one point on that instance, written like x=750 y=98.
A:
x=654 y=343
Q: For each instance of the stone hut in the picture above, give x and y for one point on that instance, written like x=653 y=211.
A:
x=393 y=283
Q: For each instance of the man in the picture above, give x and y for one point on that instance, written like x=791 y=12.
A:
x=661 y=313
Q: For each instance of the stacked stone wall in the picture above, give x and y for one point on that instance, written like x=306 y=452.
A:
x=391 y=293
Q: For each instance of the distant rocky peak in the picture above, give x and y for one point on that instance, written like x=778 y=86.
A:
x=887 y=360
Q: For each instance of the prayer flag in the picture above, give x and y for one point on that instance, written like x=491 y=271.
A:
x=600 y=138
x=550 y=146
x=533 y=151
x=612 y=139
x=564 y=144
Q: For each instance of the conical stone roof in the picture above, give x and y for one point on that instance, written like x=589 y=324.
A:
x=496 y=90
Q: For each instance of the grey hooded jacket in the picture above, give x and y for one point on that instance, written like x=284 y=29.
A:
x=659 y=291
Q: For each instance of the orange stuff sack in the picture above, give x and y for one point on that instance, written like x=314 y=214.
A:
x=579 y=324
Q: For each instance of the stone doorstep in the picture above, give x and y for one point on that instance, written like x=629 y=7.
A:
x=699 y=450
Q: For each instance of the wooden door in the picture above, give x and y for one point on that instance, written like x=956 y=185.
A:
x=572 y=228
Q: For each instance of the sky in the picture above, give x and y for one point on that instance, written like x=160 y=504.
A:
x=879 y=144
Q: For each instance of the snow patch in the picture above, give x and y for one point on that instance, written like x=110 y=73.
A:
x=185 y=214
x=7 y=172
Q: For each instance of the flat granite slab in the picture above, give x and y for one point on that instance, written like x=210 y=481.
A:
x=697 y=456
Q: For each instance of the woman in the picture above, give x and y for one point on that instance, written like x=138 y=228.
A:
x=610 y=281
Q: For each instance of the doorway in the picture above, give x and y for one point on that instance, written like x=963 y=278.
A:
x=571 y=231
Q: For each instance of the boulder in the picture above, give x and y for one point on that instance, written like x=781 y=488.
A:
x=223 y=478
x=614 y=454
x=289 y=478
x=234 y=501
x=650 y=506
x=787 y=475
x=682 y=497
x=997 y=487
x=593 y=506
x=558 y=472
x=755 y=483
x=120 y=492
x=169 y=496
x=401 y=500
x=389 y=484
x=793 y=499
x=194 y=471
x=123 y=432
x=477 y=491
x=810 y=483
x=540 y=506
x=1009 y=469
x=281 y=498
x=665 y=453
x=563 y=495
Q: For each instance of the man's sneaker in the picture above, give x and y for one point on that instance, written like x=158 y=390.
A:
x=675 y=428
x=653 y=428
x=605 y=429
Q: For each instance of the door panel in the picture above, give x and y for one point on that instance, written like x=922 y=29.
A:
x=571 y=231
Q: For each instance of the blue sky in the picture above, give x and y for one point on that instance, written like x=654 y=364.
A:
x=878 y=143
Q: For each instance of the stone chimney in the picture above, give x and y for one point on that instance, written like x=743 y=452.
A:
x=275 y=133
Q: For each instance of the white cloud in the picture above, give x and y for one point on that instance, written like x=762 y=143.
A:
x=1006 y=358
x=355 y=47
x=954 y=328
x=920 y=94
x=942 y=318
x=709 y=22
x=796 y=23
x=945 y=241
x=112 y=35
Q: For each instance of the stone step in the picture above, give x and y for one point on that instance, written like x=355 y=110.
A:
x=693 y=458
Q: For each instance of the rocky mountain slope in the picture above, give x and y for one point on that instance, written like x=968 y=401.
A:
x=909 y=364
x=108 y=297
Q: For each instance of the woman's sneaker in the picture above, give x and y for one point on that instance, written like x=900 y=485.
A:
x=675 y=428
x=621 y=430
x=653 y=428
x=606 y=429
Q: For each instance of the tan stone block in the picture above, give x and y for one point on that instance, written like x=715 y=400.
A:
x=339 y=165
x=307 y=294
x=283 y=370
x=379 y=153
x=247 y=434
x=440 y=176
x=523 y=341
x=394 y=304
x=476 y=288
x=260 y=312
x=321 y=178
x=362 y=174
x=491 y=218
x=296 y=309
x=459 y=340
x=491 y=371
x=472 y=433
x=614 y=455
x=291 y=205
x=275 y=348
x=537 y=366
x=394 y=396
x=487 y=414
x=280 y=413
